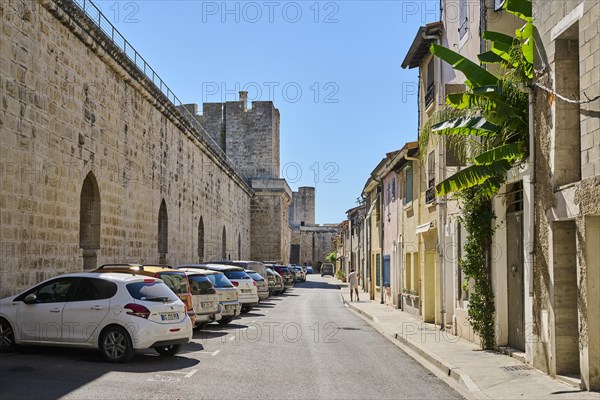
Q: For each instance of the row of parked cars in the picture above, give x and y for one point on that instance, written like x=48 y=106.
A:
x=119 y=308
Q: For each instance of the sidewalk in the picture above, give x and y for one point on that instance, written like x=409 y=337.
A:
x=485 y=374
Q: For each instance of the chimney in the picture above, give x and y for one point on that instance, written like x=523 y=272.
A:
x=244 y=99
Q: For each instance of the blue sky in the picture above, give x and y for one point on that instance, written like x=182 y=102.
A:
x=331 y=68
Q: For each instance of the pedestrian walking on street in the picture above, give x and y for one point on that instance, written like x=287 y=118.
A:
x=353 y=281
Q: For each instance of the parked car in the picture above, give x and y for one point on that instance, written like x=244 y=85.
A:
x=205 y=297
x=300 y=275
x=177 y=281
x=286 y=274
x=309 y=269
x=229 y=296
x=275 y=280
x=252 y=265
x=327 y=269
x=242 y=281
x=114 y=312
x=262 y=286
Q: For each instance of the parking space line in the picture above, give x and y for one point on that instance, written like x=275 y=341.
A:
x=191 y=373
x=214 y=353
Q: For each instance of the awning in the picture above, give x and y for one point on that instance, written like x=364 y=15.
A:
x=424 y=227
x=373 y=204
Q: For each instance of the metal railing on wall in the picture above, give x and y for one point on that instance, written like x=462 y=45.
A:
x=116 y=38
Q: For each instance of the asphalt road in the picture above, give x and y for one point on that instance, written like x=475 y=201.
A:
x=302 y=345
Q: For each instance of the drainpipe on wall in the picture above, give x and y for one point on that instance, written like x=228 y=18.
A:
x=531 y=177
x=381 y=241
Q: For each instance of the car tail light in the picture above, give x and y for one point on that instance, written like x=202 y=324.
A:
x=254 y=283
x=137 y=310
x=235 y=283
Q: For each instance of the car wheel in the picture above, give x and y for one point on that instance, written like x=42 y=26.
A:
x=7 y=336
x=246 y=309
x=170 y=350
x=225 y=321
x=115 y=345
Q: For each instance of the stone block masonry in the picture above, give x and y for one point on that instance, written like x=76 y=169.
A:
x=96 y=165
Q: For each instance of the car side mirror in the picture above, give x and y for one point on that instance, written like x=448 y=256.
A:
x=30 y=299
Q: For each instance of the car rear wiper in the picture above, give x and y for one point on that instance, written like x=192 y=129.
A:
x=160 y=298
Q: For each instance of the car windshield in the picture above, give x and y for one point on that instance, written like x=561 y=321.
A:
x=236 y=275
x=151 y=291
x=176 y=281
x=220 y=281
x=256 y=276
x=200 y=284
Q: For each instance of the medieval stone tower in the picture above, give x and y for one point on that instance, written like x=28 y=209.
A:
x=302 y=209
x=310 y=242
x=250 y=139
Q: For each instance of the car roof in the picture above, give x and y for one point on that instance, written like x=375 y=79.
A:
x=113 y=276
x=196 y=268
x=117 y=267
x=194 y=271
x=223 y=267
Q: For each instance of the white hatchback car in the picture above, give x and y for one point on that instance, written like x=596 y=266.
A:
x=114 y=312
x=242 y=281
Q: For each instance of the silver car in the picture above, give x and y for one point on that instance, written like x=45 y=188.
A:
x=262 y=285
x=229 y=296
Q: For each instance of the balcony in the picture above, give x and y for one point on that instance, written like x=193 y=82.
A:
x=429 y=95
x=430 y=195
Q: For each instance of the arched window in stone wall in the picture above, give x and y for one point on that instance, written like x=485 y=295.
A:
x=239 y=246
x=89 y=221
x=201 y=240
x=224 y=245
x=163 y=233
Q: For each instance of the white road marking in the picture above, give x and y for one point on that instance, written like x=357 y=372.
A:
x=191 y=373
x=214 y=353
x=231 y=339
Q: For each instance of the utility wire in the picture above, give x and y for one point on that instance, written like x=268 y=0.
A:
x=572 y=101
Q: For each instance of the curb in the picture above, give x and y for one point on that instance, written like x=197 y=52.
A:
x=445 y=367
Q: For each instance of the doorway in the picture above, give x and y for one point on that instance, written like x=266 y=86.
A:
x=515 y=268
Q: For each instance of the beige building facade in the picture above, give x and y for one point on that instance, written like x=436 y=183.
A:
x=565 y=339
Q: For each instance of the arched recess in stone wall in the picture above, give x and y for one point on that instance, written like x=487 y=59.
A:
x=163 y=233
x=89 y=221
x=224 y=245
x=239 y=246
x=201 y=240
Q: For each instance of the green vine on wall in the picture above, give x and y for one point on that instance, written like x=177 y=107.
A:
x=477 y=217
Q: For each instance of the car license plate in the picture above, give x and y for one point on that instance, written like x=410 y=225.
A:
x=169 y=316
x=246 y=290
x=206 y=305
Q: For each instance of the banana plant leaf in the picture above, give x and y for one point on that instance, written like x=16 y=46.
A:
x=509 y=152
x=489 y=57
x=520 y=8
x=525 y=34
x=471 y=176
x=475 y=74
x=498 y=37
x=489 y=101
x=463 y=126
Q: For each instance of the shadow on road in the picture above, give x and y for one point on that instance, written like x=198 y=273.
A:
x=318 y=285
